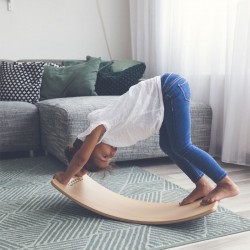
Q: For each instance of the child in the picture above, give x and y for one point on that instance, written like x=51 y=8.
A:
x=159 y=104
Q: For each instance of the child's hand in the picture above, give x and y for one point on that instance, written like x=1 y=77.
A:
x=60 y=177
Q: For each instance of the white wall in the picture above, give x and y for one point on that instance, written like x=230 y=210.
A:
x=64 y=29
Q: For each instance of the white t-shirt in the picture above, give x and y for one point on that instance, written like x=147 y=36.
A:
x=135 y=116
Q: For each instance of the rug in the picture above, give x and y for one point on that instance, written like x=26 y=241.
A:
x=34 y=215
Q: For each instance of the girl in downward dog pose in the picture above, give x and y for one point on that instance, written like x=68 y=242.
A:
x=160 y=104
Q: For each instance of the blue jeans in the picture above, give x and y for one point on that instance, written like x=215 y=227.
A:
x=175 y=132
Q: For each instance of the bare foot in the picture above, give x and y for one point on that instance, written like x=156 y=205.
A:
x=224 y=189
x=203 y=187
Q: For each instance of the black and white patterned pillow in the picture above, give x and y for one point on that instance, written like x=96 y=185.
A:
x=21 y=81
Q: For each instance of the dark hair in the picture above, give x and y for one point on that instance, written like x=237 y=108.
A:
x=70 y=151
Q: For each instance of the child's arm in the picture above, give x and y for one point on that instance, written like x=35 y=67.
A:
x=82 y=156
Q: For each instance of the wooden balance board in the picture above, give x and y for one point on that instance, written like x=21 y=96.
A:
x=94 y=197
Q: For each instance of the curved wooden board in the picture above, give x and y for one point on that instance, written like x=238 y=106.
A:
x=94 y=197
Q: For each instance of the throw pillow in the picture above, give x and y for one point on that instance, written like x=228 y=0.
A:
x=120 y=65
x=21 y=81
x=117 y=83
x=70 y=81
x=102 y=65
x=73 y=62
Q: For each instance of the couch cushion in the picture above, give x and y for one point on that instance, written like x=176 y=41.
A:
x=63 y=119
x=19 y=126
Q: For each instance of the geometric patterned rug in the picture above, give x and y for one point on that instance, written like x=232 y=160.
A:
x=34 y=215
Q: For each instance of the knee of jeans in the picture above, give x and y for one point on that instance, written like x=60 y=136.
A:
x=182 y=150
x=169 y=78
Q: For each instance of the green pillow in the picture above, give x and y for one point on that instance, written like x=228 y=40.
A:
x=117 y=76
x=73 y=62
x=121 y=65
x=69 y=81
x=103 y=64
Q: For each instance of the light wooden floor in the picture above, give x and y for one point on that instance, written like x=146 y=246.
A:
x=239 y=204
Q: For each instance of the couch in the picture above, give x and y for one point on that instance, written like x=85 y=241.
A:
x=52 y=124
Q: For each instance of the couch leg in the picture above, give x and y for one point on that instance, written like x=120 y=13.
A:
x=31 y=152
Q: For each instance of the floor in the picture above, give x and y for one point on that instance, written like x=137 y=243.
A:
x=239 y=204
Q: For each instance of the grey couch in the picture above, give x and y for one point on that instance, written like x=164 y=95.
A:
x=52 y=124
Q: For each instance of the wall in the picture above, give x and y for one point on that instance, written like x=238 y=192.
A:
x=64 y=29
